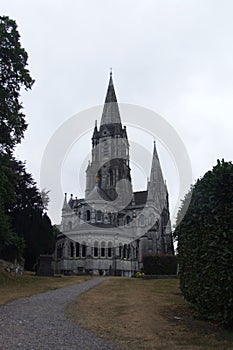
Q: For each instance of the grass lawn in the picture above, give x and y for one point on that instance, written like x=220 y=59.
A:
x=13 y=287
x=146 y=314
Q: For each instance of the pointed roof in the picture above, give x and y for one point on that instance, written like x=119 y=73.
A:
x=111 y=95
x=111 y=114
x=95 y=132
x=156 y=172
x=65 y=206
x=156 y=185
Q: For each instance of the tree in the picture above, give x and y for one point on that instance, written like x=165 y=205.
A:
x=24 y=227
x=13 y=76
x=205 y=245
x=27 y=215
x=11 y=246
x=45 y=198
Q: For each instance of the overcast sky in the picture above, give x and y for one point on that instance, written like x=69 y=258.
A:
x=173 y=57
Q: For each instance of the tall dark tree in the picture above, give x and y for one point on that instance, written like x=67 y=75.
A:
x=14 y=75
x=28 y=217
x=205 y=245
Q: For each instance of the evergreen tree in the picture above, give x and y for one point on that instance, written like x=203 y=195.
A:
x=205 y=245
x=28 y=218
x=13 y=76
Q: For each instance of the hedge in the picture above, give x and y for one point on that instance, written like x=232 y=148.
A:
x=205 y=245
x=160 y=264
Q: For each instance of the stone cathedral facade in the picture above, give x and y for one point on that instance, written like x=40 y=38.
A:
x=111 y=229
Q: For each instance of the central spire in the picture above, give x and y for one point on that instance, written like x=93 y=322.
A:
x=111 y=114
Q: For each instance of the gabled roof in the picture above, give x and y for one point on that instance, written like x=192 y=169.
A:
x=97 y=194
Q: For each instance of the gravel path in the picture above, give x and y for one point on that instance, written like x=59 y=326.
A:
x=39 y=323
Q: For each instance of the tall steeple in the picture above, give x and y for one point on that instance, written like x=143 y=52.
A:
x=156 y=186
x=111 y=114
x=110 y=149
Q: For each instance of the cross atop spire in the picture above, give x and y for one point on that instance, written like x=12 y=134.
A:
x=156 y=175
x=111 y=114
x=111 y=95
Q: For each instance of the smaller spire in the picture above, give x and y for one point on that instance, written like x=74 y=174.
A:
x=156 y=187
x=65 y=204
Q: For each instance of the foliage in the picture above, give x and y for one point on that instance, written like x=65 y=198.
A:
x=25 y=230
x=39 y=237
x=13 y=76
x=160 y=264
x=28 y=220
x=45 y=198
x=11 y=246
x=205 y=245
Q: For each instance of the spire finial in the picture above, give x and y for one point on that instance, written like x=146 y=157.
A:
x=110 y=72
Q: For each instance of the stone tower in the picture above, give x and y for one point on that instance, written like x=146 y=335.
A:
x=110 y=150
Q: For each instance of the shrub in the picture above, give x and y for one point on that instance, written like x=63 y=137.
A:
x=205 y=245
x=160 y=264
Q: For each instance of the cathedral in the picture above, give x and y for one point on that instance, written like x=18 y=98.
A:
x=110 y=230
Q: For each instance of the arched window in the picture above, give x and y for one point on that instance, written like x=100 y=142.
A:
x=120 y=250
x=152 y=219
x=128 y=251
x=84 y=250
x=96 y=250
x=77 y=249
x=109 y=250
x=110 y=177
x=70 y=225
x=125 y=251
x=98 y=216
x=88 y=215
x=71 y=250
x=141 y=220
x=102 y=253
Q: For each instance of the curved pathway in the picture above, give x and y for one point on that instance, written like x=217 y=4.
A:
x=39 y=322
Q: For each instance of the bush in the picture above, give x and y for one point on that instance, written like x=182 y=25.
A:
x=160 y=264
x=205 y=245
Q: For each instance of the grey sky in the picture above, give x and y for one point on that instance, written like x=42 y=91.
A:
x=174 y=57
